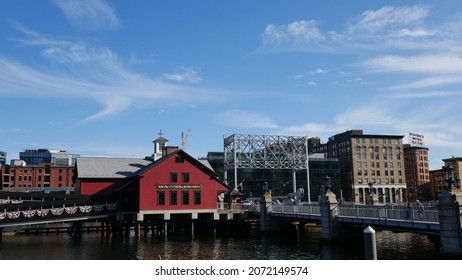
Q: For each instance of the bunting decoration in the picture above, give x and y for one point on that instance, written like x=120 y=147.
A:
x=29 y=213
x=98 y=208
x=13 y=215
x=4 y=201
x=55 y=211
x=43 y=213
x=71 y=210
x=112 y=206
x=85 y=209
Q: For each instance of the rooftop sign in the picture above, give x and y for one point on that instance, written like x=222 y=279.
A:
x=416 y=139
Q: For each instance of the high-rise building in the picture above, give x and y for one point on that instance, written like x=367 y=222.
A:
x=417 y=172
x=367 y=161
x=53 y=157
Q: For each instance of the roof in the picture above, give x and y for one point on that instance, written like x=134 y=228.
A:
x=206 y=163
x=106 y=167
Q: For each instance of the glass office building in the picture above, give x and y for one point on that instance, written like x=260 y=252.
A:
x=41 y=156
x=280 y=181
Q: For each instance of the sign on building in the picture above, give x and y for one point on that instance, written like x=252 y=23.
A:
x=416 y=139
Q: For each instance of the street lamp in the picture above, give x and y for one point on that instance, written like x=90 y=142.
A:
x=449 y=175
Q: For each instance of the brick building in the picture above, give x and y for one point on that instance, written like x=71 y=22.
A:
x=44 y=177
x=417 y=172
x=365 y=160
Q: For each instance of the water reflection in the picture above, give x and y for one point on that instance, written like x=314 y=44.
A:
x=296 y=245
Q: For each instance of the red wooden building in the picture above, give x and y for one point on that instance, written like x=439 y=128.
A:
x=176 y=185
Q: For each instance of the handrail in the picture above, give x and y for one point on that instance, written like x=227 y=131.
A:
x=371 y=212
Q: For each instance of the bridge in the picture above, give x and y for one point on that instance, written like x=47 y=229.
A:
x=391 y=217
x=442 y=219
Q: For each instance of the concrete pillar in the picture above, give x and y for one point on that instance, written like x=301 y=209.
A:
x=370 y=244
x=450 y=225
x=329 y=212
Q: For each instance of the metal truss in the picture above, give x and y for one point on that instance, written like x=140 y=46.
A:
x=265 y=152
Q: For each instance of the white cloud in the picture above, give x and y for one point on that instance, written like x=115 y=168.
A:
x=388 y=17
x=428 y=94
x=293 y=36
x=402 y=28
x=418 y=32
x=84 y=72
x=312 y=129
x=188 y=75
x=435 y=81
x=245 y=119
x=88 y=14
x=441 y=63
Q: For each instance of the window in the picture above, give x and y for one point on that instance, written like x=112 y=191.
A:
x=185 y=177
x=173 y=177
x=185 y=197
x=197 y=198
x=161 y=198
x=173 y=198
x=179 y=160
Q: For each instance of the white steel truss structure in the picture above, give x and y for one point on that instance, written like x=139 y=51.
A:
x=266 y=152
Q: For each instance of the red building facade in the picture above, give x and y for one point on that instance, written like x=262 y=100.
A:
x=176 y=184
x=37 y=178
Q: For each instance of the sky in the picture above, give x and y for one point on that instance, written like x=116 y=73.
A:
x=104 y=77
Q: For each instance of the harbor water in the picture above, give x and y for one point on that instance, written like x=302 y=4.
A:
x=303 y=244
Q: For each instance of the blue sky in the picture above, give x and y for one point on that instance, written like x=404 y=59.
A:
x=102 y=78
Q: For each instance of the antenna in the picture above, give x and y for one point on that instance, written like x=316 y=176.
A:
x=184 y=139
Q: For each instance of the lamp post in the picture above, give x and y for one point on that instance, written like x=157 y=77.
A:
x=370 y=194
x=449 y=175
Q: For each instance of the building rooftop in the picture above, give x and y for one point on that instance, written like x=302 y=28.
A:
x=106 y=167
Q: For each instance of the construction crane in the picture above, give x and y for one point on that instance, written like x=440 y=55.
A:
x=184 y=139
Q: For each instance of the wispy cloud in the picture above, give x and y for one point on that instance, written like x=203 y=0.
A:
x=188 y=75
x=88 y=14
x=382 y=29
x=85 y=72
x=245 y=119
x=430 y=82
x=440 y=63
x=293 y=36
x=387 y=19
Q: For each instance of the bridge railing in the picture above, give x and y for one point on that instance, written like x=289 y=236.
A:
x=384 y=212
x=297 y=209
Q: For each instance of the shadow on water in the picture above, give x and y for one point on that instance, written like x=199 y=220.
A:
x=304 y=244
